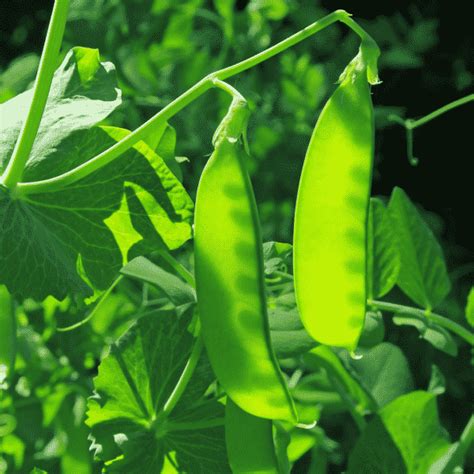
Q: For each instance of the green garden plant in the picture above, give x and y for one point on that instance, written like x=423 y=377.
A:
x=225 y=361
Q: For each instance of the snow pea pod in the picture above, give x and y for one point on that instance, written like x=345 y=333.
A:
x=229 y=278
x=330 y=230
x=249 y=442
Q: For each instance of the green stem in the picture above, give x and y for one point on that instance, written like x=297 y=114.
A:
x=185 y=377
x=232 y=91
x=410 y=124
x=424 y=315
x=96 y=308
x=102 y=159
x=44 y=77
x=348 y=402
x=180 y=269
x=442 y=110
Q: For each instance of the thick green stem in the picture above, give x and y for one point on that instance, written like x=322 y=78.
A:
x=44 y=77
x=58 y=182
x=424 y=315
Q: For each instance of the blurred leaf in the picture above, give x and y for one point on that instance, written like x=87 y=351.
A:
x=470 y=307
x=437 y=384
x=271 y=9
x=8 y=333
x=18 y=76
x=76 y=457
x=14 y=447
x=423 y=36
x=400 y=57
x=423 y=276
x=53 y=401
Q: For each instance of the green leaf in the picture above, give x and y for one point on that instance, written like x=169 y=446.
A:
x=383 y=258
x=83 y=92
x=176 y=289
x=437 y=384
x=281 y=439
x=384 y=372
x=18 y=76
x=76 y=457
x=166 y=149
x=373 y=331
x=75 y=240
x=289 y=337
x=375 y=452
x=436 y=335
x=276 y=256
x=14 y=447
x=452 y=461
x=413 y=424
x=470 y=307
x=91 y=228
x=423 y=276
x=134 y=382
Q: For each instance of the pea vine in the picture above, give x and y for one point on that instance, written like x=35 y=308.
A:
x=226 y=356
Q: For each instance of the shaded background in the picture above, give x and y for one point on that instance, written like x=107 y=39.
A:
x=162 y=47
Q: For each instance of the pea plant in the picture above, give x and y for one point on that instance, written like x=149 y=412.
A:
x=224 y=355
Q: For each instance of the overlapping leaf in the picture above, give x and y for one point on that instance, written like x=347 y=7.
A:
x=83 y=92
x=407 y=433
x=423 y=275
x=75 y=240
x=384 y=372
x=133 y=384
x=383 y=258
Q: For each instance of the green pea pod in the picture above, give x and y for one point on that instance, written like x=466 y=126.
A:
x=249 y=442
x=229 y=279
x=331 y=214
x=7 y=332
